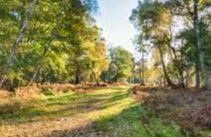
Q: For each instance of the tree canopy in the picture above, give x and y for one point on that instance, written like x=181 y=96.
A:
x=49 y=41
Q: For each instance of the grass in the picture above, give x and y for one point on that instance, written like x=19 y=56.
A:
x=128 y=124
x=110 y=111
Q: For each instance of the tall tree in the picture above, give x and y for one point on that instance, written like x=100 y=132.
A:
x=153 y=20
x=193 y=11
x=10 y=58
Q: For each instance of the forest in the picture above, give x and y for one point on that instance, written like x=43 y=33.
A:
x=59 y=77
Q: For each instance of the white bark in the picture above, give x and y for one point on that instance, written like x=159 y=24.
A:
x=17 y=42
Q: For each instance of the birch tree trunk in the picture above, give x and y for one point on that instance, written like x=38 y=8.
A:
x=17 y=42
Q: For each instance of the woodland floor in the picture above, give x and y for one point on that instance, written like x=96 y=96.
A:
x=107 y=112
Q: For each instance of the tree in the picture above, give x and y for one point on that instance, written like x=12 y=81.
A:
x=60 y=43
x=153 y=20
x=190 y=10
x=24 y=24
x=157 y=22
x=121 y=65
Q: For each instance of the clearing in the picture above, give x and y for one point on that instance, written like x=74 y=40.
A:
x=108 y=112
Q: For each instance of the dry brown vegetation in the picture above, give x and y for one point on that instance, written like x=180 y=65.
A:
x=190 y=108
x=35 y=90
x=26 y=97
x=4 y=94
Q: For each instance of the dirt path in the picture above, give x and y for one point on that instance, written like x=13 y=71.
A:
x=69 y=115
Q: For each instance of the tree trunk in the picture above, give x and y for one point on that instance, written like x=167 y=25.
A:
x=187 y=78
x=197 y=75
x=38 y=66
x=95 y=78
x=175 y=60
x=198 y=44
x=168 y=80
x=178 y=66
x=77 y=74
x=143 y=69
x=37 y=69
x=17 y=42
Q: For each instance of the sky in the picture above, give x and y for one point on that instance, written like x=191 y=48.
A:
x=113 y=19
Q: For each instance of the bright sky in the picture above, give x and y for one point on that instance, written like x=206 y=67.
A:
x=113 y=18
